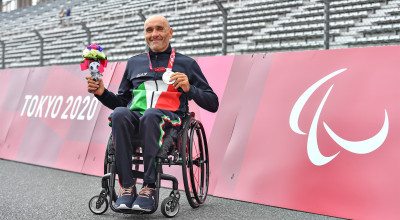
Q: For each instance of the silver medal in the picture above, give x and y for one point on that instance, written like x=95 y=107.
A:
x=166 y=76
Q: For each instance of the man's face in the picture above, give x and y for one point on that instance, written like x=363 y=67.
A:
x=157 y=33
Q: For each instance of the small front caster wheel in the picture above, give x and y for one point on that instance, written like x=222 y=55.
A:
x=170 y=207
x=98 y=204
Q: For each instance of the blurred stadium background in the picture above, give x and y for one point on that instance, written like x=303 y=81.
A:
x=252 y=26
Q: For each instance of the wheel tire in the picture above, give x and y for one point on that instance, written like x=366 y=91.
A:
x=107 y=169
x=170 y=207
x=98 y=207
x=195 y=162
x=185 y=163
x=199 y=162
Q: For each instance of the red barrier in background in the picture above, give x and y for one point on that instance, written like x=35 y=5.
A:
x=286 y=168
x=247 y=101
x=313 y=131
x=12 y=83
x=53 y=118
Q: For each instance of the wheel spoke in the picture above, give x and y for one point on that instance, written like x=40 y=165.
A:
x=197 y=179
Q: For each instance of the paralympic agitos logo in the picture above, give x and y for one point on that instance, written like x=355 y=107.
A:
x=314 y=154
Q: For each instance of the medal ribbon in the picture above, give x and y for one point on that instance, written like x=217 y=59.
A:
x=170 y=62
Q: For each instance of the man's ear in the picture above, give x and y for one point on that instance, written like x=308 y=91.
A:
x=170 y=33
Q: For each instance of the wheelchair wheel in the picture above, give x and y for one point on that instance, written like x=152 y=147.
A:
x=195 y=163
x=108 y=169
x=170 y=207
x=98 y=204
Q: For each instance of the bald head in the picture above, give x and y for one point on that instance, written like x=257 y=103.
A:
x=158 y=18
x=157 y=33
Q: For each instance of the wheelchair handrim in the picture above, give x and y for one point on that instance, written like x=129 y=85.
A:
x=194 y=130
x=199 y=184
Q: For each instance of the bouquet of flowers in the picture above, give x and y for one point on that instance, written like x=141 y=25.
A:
x=94 y=60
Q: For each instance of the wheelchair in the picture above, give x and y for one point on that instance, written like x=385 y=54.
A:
x=189 y=150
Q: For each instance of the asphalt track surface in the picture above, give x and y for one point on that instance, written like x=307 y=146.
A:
x=35 y=192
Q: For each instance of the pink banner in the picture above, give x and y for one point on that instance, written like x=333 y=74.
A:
x=324 y=138
x=54 y=119
x=314 y=131
x=225 y=119
x=12 y=83
x=250 y=94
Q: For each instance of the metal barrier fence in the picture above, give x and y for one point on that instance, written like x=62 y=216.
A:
x=333 y=30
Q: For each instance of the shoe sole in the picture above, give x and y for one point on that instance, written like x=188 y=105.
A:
x=138 y=208
x=122 y=206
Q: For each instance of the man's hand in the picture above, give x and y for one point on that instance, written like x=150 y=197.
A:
x=181 y=80
x=95 y=87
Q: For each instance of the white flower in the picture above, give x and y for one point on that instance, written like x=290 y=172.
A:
x=85 y=52
x=93 y=54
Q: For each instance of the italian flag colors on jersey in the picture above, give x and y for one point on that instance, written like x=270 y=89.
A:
x=155 y=94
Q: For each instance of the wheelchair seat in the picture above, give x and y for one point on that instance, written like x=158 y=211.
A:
x=186 y=147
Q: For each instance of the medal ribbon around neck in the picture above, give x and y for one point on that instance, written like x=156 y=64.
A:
x=170 y=62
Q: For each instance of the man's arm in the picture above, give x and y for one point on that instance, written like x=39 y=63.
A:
x=197 y=88
x=108 y=98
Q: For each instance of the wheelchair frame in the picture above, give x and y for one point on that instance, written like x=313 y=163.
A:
x=191 y=153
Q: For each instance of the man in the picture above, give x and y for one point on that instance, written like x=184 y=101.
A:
x=61 y=15
x=146 y=99
x=68 y=15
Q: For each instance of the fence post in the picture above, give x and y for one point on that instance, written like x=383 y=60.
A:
x=326 y=27
x=88 y=33
x=41 y=46
x=141 y=15
x=225 y=25
x=3 y=54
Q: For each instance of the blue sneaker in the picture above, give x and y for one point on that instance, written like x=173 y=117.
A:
x=145 y=200
x=126 y=198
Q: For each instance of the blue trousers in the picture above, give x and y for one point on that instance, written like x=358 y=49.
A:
x=151 y=126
